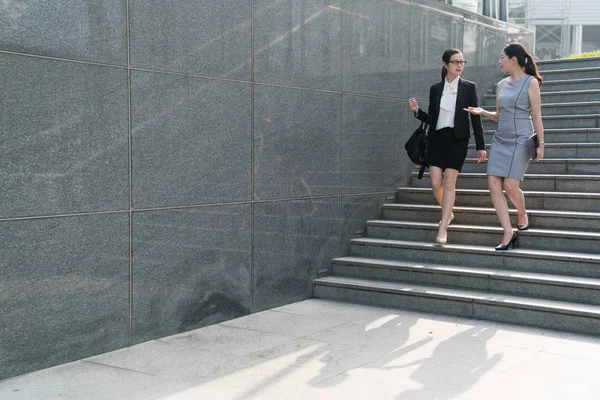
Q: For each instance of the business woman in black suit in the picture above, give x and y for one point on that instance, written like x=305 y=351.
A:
x=449 y=124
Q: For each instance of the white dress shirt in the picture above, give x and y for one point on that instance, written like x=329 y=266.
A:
x=447 y=105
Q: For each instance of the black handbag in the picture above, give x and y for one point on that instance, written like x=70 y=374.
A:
x=417 y=147
x=534 y=143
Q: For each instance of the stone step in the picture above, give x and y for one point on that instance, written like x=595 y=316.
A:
x=554 y=149
x=519 y=259
x=570 y=166
x=559 y=121
x=539 y=219
x=530 y=284
x=563 y=96
x=568 y=63
x=558 y=85
x=570 y=73
x=560 y=96
x=538 y=239
x=562 y=135
x=550 y=314
x=557 y=150
x=565 y=108
x=557 y=201
x=571 y=84
x=532 y=182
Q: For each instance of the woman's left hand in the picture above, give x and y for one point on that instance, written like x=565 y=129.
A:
x=481 y=156
x=540 y=152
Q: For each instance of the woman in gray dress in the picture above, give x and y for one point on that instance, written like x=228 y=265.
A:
x=518 y=113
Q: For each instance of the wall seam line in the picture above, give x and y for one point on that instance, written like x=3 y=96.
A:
x=130 y=168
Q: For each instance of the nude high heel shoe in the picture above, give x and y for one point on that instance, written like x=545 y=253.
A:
x=442 y=239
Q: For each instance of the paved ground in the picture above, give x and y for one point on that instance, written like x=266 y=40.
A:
x=319 y=349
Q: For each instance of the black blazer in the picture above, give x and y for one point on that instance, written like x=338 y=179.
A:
x=466 y=96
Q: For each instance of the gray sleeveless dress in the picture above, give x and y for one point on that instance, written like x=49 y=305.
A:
x=509 y=154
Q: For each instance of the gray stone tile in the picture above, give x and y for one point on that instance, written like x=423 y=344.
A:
x=84 y=380
x=521 y=35
x=482 y=49
x=64 y=137
x=191 y=268
x=292 y=241
x=442 y=368
x=408 y=383
x=522 y=337
x=292 y=325
x=376 y=55
x=206 y=38
x=191 y=140
x=432 y=34
x=383 y=335
x=543 y=376
x=64 y=292
x=81 y=30
x=345 y=386
x=254 y=377
x=298 y=43
x=320 y=356
x=373 y=155
x=166 y=360
x=577 y=346
x=296 y=143
x=336 y=310
x=228 y=339
x=356 y=210
x=471 y=348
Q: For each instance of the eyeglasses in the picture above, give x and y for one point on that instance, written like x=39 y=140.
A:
x=458 y=62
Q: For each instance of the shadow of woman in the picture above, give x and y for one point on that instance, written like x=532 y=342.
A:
x=442 y=380
x=382 y=337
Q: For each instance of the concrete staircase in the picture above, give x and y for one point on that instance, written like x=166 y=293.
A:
x=552 y=279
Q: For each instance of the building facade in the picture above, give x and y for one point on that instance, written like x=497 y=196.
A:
x=562 y=27
x=497 y=9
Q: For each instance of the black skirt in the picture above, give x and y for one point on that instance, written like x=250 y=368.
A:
x=446 y=151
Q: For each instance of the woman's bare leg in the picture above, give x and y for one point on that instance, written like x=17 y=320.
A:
x=448 y=197
x=495 y=184
x=515 y=194
x=437 y=175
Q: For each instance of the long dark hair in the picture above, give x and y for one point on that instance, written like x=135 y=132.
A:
x=515 y=49
x=446 y=58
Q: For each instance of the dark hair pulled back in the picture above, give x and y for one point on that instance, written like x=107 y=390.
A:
x=446 y=59
x=515 y=49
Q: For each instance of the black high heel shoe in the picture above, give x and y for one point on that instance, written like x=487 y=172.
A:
x=513 y=241
x=524 y=227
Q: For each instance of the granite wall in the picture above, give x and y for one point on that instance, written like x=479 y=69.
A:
x=170 y=165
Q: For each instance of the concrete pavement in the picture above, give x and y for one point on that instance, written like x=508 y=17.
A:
x=319 y=349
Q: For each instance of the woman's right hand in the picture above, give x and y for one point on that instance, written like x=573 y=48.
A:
x=413 y=105
x=474 y=110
